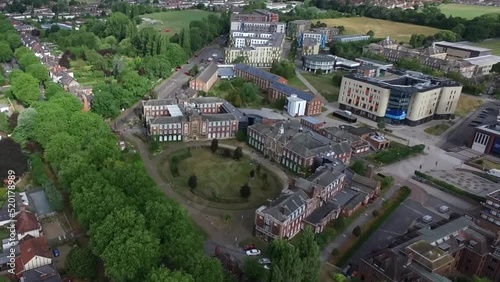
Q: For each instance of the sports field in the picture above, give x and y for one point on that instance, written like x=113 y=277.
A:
x=467 y=11
x=382 y=28
x=173 y=20
x=493 y=44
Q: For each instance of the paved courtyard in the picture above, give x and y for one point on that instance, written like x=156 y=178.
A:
x=52 y=230
x=61 y=259
x=467 y=181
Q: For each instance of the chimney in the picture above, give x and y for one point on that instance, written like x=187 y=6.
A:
x=269 y=202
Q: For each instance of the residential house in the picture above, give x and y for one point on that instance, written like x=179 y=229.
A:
x=34 y=254
x=205 y=79
x=336 y=134
x=45 y=273
x=27 y=224
x=5 y=215
x=67 y=81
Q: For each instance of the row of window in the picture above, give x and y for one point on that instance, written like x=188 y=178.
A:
x=491 y=219
x=490 y=203
x=170 y=138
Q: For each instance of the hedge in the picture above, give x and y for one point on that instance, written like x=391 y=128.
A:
x=449 y=187
x=397 y=152
x=391 y=206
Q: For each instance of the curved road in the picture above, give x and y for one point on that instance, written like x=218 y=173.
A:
x=241 y=221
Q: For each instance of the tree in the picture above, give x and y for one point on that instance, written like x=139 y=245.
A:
x=253 y=270
x=119 y=26
x=339 y=277
x=240 y=60
x=238 y=153
x=12 y=158
x=25 y=126
x=375 y=213
x=163 y=274
x=496 y=68
x=358 y=167
x=193 y=181
x=38 y=71
x=370 y=33
x=81 y=263
x=28 y=59
x=214 y=146
x=25 y=88
x=55 y=197
x=310 y=255
x=356 y=231
x=248 y=92
x=387 y=181
x=380 y=125
x=284 y=68
x=6 y=54
x=252 y=173
x=245 y=191
x=286 y=263
x=186 y=41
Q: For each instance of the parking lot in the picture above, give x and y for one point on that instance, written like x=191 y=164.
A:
x=462 y=135
x=467 y=181
x=406 y=215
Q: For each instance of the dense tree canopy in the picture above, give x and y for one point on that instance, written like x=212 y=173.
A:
x=25 y=88
x=81 y=263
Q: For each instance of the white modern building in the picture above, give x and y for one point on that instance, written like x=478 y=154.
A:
x=296 y=107
x=258 y=26
x=327 y=63
x=260 y=50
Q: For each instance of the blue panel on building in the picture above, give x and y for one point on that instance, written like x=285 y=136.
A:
x=395 y=114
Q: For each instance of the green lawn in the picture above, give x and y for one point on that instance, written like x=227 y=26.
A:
x=173 y=20
x=4 y=233
x=220 y=179
x=84 y=74
x=467 y=11
x=437 y=130
x=493 y=44
x=324 y=84
x=297 y=83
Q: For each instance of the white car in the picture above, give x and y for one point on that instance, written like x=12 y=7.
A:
x=264 y=261
x=267 y=267
x=214 y=55
x=253 y=252
x=443 y=209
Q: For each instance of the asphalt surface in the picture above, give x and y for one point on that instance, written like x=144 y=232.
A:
x=462 y=135
x=408 y=213
x=168 y=89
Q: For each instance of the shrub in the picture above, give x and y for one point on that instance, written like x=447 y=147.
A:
x=356 y=231
x=54 y=197
x=358 y=167
x=238 y=153
x=193 y=182
x=375 y=213
x=226 y=153
x=335 y=252
x=245 y=191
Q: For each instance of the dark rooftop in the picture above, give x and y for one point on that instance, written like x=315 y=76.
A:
x=289 y=90
x=259 y=72
x=317 y=216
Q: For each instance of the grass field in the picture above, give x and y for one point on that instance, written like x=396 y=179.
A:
x=382 y=28
x=437 y=130
x=173 y=20
x=297 y=83
x=220 y=179
x=324 y=84
x=467 y=104
x=467 y=11
x=493 y=44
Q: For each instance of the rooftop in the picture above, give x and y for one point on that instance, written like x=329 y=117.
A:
x=494 y=195
x=41 y=203
x=320 y=58
x=207 y=72
x=312 y=120
x=462 y=45
x=259 y=72
x=351 y=36
x=319 y=214
x=289 y=90
x=484 y=60
x=427 y=250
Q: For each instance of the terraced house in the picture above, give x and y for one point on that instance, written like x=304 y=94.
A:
x=299 y=149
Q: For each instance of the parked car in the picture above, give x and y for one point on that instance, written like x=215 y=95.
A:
x=253 y=252
x=55 y=252
x=443 y=209
x=177 y=68
x=187 y=73
x=196 y=55
x=249 y=247
x=264 y=261
x=267 y=266
x=214 y=55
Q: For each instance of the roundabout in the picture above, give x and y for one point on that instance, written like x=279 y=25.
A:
x=219 y=178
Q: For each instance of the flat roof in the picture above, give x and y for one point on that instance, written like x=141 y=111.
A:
x=312 y=120
x=264 y=113
x=462 y=45
x=226 y=71
x=484 y=60
x=174 y=110
x=41 y=203
x=494 y=195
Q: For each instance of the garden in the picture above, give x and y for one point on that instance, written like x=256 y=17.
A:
x=221 y=176
x=241 y=94
x=396 y=152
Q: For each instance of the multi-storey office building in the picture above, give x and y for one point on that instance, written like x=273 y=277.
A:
x=490 y=214
x=400 y=97
x=321 y=38
x=258 y=52
x=295 y=28
x=256 y=26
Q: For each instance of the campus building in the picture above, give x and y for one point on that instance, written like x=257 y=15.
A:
x=201 y=118
x=321 y=38
x=486 y=139
x=490 y=214
x=297 y=27
x=262 y=78
x=258 y=15
x=430 y=254
x=314 y=104
x=310 y=46
x=258 y=26
x=327 y=63
x=204 y=80
x=258 y=51
x=399 y=97
x=350 y=38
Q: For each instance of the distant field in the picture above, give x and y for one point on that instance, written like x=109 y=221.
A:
x=173 y=20
x=382 y=28
x=467 y=11
x=493 y=44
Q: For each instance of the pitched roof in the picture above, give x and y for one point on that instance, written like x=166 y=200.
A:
x=282 y=207
x=26 y=221
x=207 y=73
x=34 y=247
x=66 y=79
x=259 y=72
x=288 y=90
x=45 y=273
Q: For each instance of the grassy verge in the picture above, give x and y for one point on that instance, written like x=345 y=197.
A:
x=297 y=83
x=396 y=152
x=324 y=84
x=448 y=187
x=467 y=104
x=388 y=208
x=487 y=164
x=437 y=130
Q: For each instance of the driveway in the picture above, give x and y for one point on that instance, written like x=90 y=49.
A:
x=52 y=230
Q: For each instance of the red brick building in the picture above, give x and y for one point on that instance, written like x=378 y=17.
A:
x=490 y=214
x=336 y=134
x=262 y=78
x=314 y=104
x=259 y=15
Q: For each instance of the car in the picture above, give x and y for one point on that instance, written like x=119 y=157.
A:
x=187 y=73
x=55 y=252
x=196 y=55
x=443 y=209
x=482 y=115
x=177 y=68
x=249 y=247
x=214 y=55
x=264 y=261
x=253 y=252
x=267 y=266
